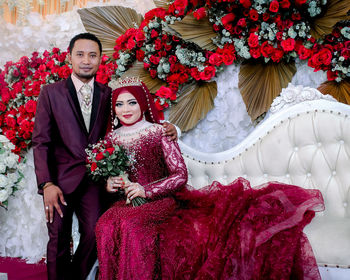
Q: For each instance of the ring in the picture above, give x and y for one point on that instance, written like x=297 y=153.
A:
x=47 y=207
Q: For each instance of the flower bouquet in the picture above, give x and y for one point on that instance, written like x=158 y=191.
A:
x=107 y=159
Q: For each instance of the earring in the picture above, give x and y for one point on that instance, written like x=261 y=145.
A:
x=115 y=122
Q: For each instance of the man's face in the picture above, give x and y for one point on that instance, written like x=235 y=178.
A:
x=85 y=58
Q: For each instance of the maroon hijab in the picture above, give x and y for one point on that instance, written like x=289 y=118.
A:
x=143 y=97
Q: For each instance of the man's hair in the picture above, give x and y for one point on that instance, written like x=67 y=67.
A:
x=86 y=36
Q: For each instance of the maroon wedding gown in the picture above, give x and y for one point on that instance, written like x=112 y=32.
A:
x=218 y=232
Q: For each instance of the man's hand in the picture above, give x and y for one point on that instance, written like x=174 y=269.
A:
x=170 y=131
x=52 y=194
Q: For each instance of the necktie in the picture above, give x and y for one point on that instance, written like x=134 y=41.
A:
x=86 y=104
x=85 y=92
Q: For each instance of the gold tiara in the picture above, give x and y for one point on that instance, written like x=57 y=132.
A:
x=125 y=82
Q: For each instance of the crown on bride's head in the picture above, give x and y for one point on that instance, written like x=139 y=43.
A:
x=125 y=82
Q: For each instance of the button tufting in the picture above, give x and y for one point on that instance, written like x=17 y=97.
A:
x=287 y=175
x=334 y=173
x=296 y=149
x=265 y=175
x=341 y=142
x=345 y=204
x=308 y=174
x=319 y=144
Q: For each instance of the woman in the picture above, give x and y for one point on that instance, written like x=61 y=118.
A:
x=218 y=232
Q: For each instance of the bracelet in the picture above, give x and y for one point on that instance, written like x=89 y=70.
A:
x=48 y=184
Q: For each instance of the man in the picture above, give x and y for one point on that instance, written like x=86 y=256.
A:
x=70 y=115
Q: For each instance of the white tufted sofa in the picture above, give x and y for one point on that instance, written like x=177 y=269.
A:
x=307 y=145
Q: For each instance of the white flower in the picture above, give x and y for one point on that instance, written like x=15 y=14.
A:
x=11 y=161
x=3 y=195
x=2 y=168
x=3 y=181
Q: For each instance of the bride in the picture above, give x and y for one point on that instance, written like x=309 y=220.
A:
x=218 y=232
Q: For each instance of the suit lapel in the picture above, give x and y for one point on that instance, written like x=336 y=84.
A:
x=75 y=103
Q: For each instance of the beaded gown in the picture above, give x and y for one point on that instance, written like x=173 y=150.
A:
x=217 y=232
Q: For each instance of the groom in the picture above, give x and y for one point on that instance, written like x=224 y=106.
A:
x=70 y=115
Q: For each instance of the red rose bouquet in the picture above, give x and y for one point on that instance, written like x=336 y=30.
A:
x=107 y=159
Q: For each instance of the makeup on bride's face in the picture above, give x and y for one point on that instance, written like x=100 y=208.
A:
x=127 y=109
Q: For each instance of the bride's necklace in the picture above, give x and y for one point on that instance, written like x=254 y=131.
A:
x=133 y=129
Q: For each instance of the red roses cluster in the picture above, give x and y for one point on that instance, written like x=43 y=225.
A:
x=333 y=55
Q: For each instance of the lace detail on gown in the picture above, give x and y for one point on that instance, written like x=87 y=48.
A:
x=218 y=232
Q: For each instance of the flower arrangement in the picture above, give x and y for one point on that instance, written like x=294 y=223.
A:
x=332 y=54
x=20 y=85
x=10 y=171
x=107 y=159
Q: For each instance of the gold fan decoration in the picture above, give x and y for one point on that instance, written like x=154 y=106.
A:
x=137 y=70
x=162 y=3
x=336 y=11
x=259 y=84
x=199 y=32
x=108 y=23
x=193 y=105
x=340 y=91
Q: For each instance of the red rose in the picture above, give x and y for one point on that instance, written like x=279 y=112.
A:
x=110 y=150
x=216 y=27
x=195 y=73
x=30 y=106
x=215 y=59
x=139 y=36
x=266 y=49
x=2 y=107
x=158 y=45
x=10 y=134
x=208 y=73
x=64 y=72
x=172 y=59
x=159 y=106
x=304 y=53
x=253 y=15
x=153 y=73
x=274 y=5
x=331 y=76
x=253 y=40
x=168 y=47
x=245 y=3
x=140 y=55
x=242 y=22
x=277 y=55
x=200 y=13
x=100 y=156
x=228 y=18
x=288 y=44
x=131 y=44
x=345 y=53
x=255 y=52
x=10 y=121
x=285 y=4
x=165 y=92
x=321 y=58
x=180 y=6
x=154 y=59
x=154 y=33
x=93 y=166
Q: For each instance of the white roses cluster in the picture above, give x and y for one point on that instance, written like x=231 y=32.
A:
x=10 y=170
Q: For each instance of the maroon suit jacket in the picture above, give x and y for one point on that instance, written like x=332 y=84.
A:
x=60 y=137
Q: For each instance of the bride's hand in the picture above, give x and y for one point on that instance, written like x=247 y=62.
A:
x=134 y=190
x=114 y=183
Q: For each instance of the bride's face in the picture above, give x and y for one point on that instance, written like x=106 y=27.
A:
x=127 y=109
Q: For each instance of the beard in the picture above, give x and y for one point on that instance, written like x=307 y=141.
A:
x=85 y=76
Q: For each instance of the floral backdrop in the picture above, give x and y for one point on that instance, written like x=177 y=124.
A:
x=262 y=30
